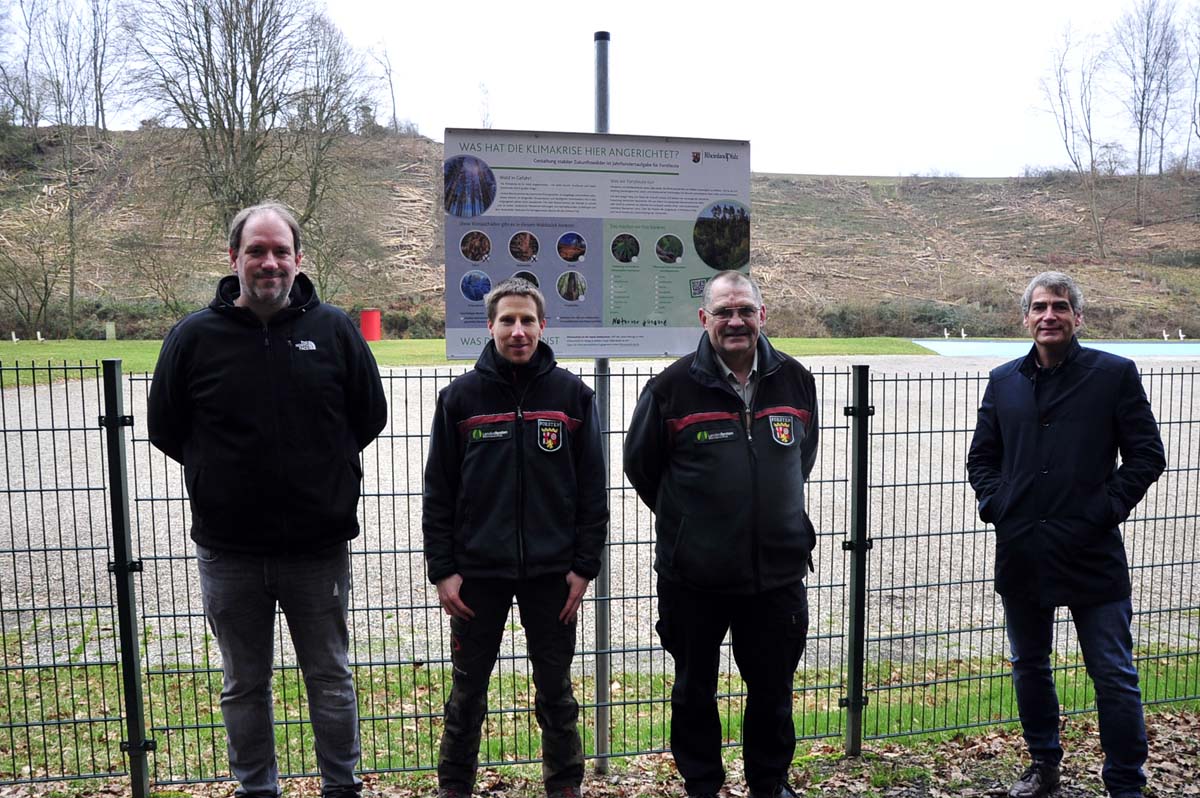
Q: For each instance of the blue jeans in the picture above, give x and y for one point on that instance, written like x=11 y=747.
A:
x=1107 y=646
x=240 y=592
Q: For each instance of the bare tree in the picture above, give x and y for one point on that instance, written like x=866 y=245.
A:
x=152 y=249
x=63 y=55
x=1069 y=91
x=1170 y=80
x=106 y=55
x=19 y=80
x=32 y=259
x=226 y=69
x=1191 y=49
x=322 y=109
x=1142 y=42
x=383 y=57
x=485 y=107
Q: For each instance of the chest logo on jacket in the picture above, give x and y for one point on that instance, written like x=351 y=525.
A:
x=306 y=346
x=782 y=431
x=549 y=435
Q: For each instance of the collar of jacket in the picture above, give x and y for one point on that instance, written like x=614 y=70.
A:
x=490 y=363
x=706 y=371
x=1029 y=366
x=303 y=298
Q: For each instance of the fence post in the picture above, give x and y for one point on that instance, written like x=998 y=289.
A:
x=859 y=411
x=603 y=404
x=123 y=567
x=603 y=587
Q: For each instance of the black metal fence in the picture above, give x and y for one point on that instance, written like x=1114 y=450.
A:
x=906 y=632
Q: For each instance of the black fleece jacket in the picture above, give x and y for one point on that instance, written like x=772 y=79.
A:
x=726 y=483
x=514 y=483
x=268 y=421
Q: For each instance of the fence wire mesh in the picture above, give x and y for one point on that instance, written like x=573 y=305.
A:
x=935 y=643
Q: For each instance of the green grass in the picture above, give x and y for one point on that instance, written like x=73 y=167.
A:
x=140 y=356
x=47 y=713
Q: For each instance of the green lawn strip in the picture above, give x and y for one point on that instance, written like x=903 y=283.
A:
x=140 y=356
x=63 y=720
x=67 y=719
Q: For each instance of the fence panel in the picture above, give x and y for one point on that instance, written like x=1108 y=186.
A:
x=60 y=699
x=936 y=648
x=935 y=642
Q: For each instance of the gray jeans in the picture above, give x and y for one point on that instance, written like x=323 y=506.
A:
x=240 y=593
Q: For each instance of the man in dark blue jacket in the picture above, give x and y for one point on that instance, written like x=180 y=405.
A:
x=267 y=396
x=720 y=446
x=515 y=505
x=1043 y=463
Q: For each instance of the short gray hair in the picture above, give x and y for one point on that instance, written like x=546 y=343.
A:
x=1059 y=284
x=735 y=277
x=239 y=223
x=514 y=286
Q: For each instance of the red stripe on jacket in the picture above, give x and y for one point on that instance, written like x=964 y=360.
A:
x=677 y=424
x=795 y=411
x=468 y=424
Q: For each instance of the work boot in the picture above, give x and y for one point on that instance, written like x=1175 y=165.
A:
x=1039 y=780
x=781 y=790
x=453 y=792
x=569 y=791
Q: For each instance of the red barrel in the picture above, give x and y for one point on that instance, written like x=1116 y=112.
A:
x=369 y=323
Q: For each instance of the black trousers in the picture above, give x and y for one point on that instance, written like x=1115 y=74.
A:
x=769 y=632
x=474 y=647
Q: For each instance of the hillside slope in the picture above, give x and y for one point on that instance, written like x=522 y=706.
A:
x=840 y=256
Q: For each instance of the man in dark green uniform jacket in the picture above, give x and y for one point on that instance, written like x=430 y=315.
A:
x=720 y=446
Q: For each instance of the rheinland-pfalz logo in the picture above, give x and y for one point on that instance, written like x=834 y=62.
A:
x=549 y=434
x=782 y=430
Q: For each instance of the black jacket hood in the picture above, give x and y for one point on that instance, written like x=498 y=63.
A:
x=302 y=298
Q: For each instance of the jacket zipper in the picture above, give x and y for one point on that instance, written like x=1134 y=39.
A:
x=271 y=366
x=520 y=492
x=748 y=414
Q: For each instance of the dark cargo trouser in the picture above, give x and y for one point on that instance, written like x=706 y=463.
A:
x=769 y=632
x=551 y=646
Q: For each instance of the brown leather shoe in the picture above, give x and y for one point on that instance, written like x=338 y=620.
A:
x=1039 y=780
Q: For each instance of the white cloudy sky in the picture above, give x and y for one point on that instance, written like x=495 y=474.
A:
x=869 y=87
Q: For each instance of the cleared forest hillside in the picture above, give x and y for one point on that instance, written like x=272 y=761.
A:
x=836 y=256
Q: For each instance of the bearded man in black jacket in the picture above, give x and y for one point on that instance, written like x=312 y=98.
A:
x=515 y=505
x=267 y=397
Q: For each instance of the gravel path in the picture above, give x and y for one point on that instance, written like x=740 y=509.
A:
x=930 y=595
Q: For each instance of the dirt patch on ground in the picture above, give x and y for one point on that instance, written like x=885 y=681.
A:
x=969 y=766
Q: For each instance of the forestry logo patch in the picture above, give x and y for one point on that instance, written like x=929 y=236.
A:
x=549 y=434
x=782 y=430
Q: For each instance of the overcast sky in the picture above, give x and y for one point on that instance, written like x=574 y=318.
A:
x=854 y=88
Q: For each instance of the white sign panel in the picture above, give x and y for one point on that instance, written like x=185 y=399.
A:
x=620 y=233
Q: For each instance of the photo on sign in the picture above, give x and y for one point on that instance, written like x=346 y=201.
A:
x=571 y=286
x=669 y=249
x=528 y=277
x=470 y=186
x=571 y=247
x=523 y=247
x=475 y=285
x=476 y=246
x=625 y=248
x=722 y=235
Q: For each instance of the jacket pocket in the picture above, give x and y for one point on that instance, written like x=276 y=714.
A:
x=712 y=553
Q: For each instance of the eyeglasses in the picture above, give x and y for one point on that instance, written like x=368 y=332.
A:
x=744 y=312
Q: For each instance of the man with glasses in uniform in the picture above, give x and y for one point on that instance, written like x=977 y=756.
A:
x=720 y=446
